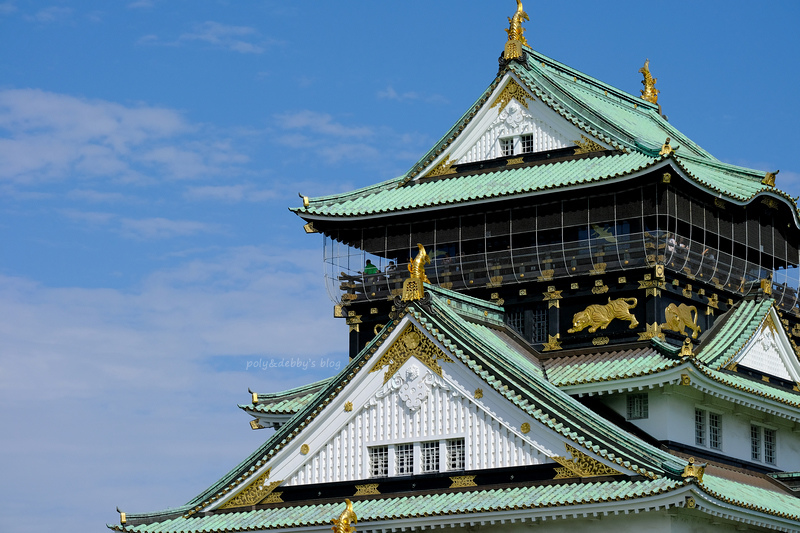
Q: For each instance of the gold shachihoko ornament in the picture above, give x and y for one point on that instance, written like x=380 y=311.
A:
x=412 y=287
x=516 y=39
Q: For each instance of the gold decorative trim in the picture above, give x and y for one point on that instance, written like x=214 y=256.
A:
x=511 y=90
x=523 y=292
x=653 y=331
x=666 y=177
x=686 y=348
x=478 y=394
x=719 y=202
x=525 y=428
x=304 y=449
x=686 y=380
x=690 y=502
x=587 y=146
x=769 y=178
x=599 y=269
x=652 y=287
x=462 y=481
x=547 y=275
x=365 y=490
x=414 y=286
x=255 y=424
x=770 y=203
x=573 y=286
x=305 y=199
x=348 y=406
x=600 y=341
x=515 y=161
x=692 y=470
x=666 y=149
x=552 y=345
x=599 y=287
x=444 y=168
x=687 y=292
x=581 y=465
x=309 y=228
x=622 y=280
x=411 y=343
x=275 y=497
x=552 y=297
x=256 y=491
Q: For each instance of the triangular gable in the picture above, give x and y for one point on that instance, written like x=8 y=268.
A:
x=510 y=113
x=409 y=391
x=769 y=351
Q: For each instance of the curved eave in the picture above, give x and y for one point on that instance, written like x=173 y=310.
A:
x=585 y=183
x=702 y=379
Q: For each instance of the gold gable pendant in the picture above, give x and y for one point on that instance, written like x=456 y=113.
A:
x=254 y=493
x=581 y=465
x=411 y=343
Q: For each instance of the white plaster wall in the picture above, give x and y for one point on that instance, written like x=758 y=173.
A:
x=671 y=417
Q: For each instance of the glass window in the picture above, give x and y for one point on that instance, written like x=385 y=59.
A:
x=430 y=456
x=699 y=427
x=637 y=406
x=715 y=431
x=755 y=443
x=379 y=461
x=404 y=459
x=527 y=144
x=506 y=147
x=455 y=454
x=770 y=446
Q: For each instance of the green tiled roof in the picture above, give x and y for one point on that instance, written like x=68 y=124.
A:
x=288 y=401
x=750 y=496
x=390 y=198
x=622 y=120
x=607 y=366
x=425 y=505
x=753 y=386
x=737 y=329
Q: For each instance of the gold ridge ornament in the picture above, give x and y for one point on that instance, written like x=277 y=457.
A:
x=413 y=286
x=597 y=316
x=516 y=39
x=344 y=524
x=649 y=93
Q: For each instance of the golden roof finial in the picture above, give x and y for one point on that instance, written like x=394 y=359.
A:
x=666 y=149
x=650 y=93
x=412 y=287
x=343 y=524
x=516 y=39
x=769 y=178
x=693 y=470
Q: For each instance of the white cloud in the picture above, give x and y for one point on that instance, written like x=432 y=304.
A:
x=241 y=39
x=51 y=14
x=47 y=137
x=99 y=385
x=164 y=228
x=391 y=94
x=230 y=193
x=320 y=123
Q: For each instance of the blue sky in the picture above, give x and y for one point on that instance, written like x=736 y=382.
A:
x=149 y=150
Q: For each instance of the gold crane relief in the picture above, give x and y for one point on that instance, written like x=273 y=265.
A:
x=680 y=317
x=598 y=316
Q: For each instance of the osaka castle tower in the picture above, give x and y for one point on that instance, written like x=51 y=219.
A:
x=566 y=316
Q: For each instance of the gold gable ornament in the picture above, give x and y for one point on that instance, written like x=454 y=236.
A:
x=411 y=343
x=254 y=492
x=516 y=39
x=581 y=465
